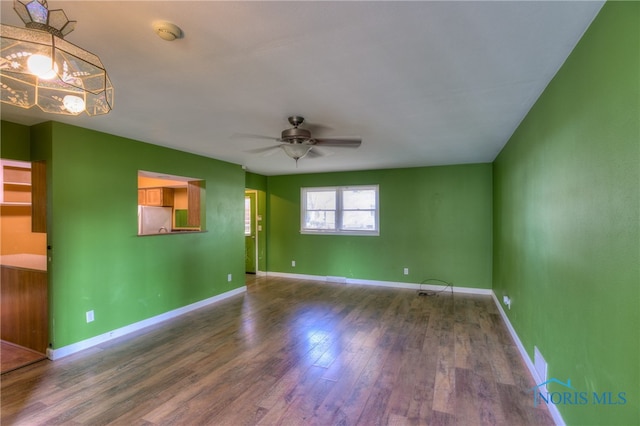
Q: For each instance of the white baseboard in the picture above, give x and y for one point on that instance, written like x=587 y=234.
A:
x=553 y=409
x=393 y=284
x=54 y=354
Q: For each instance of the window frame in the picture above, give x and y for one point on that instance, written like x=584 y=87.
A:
x=339 y=210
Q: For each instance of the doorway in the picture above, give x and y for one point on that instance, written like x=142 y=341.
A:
x=250 y=231
x=24 y=330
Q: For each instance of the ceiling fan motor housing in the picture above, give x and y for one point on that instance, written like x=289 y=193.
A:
x=296 y=135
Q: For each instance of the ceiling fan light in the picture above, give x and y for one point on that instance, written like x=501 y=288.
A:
x=296 y=151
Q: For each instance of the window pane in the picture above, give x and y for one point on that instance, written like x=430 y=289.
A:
x=320 y=220
x=355 y=212
x=321 y=200
x=247 y=216
x=354 y=199
x=361 y=220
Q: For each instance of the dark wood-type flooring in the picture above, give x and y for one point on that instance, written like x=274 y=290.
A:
x=293 y=352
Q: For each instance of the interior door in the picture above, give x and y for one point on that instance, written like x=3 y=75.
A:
x=250 y=234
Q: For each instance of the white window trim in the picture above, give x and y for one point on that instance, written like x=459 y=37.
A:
x=339 y=210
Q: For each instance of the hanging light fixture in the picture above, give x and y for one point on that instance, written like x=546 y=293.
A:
x=296 y=150
x=38 y=67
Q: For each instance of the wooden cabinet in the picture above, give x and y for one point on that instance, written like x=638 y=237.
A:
x=39 y=196
x=162 y=197
x=24 y=302
x=193 y=194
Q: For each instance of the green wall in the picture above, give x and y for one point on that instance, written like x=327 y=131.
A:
x=566 y=203
x=15 y=141
x=255 y=181
x=98 y=261
x=436 y=221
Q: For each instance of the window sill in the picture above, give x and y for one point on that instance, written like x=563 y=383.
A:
x=349 y=233
x=173 y=232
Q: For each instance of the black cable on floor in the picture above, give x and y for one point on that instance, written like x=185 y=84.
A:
x=422 y=292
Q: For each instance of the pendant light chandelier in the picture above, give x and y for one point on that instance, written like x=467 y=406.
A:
x=38 y=67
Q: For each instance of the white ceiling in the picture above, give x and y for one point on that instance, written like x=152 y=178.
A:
x=423 y=83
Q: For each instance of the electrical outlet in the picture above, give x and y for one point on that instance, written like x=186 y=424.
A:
x=406 y=271
x=293 y=263
x=507 y=301
x=229 y=277
x=90 y=316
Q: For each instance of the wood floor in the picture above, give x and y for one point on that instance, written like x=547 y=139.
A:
x=13 y=356
x=293 y=352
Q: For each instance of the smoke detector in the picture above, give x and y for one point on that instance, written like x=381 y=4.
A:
x=167 y=31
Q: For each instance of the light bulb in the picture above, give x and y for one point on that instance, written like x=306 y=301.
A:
x=73 y=104
x=40 y=65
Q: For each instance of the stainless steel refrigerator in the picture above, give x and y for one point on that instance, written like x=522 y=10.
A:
x=154 y=220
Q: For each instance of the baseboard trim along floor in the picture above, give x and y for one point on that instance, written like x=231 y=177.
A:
x=553 y=410
x=393 y=284
x=54 y=354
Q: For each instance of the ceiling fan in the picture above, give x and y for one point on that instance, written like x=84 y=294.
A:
x=297 y=143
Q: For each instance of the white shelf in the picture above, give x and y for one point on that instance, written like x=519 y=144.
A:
x=17 y=183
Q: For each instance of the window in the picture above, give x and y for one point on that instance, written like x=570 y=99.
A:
x=348 y=210
x=247 y=216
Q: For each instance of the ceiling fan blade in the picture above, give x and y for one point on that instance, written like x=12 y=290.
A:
x=341 y=142
x=317 y=128
x=316 y=152
x=252 y=136
x=270 y=150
